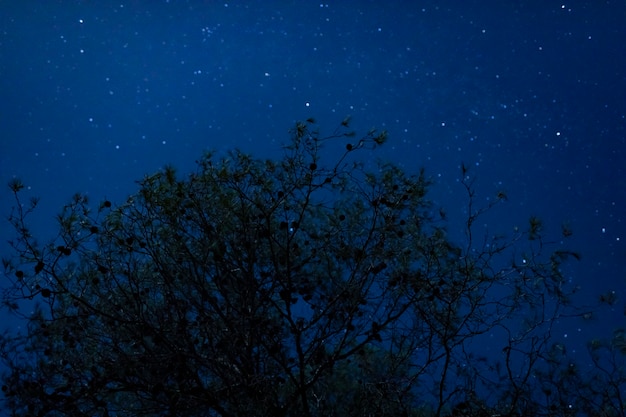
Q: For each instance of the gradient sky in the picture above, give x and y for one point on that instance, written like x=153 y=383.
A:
x=530 y=94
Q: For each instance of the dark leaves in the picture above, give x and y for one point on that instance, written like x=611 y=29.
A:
x=609 y=298
x=16 y=185
x=286 y=296
x=64 y=250
x=381 y=138
x=378 y=268
x=566 y=230
x=535 y=228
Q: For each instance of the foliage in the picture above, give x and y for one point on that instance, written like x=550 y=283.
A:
x=282 y=288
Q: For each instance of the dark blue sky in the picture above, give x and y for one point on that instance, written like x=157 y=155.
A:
x=530 y=94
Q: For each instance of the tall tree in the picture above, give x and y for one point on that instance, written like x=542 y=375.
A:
x=292 y=287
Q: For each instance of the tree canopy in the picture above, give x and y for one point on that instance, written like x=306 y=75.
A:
x=290 y=287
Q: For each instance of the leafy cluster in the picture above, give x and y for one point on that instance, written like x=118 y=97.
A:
x=286 y=288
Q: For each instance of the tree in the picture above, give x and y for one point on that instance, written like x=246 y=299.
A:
x=279 y=288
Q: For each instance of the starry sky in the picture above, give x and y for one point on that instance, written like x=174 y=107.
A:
x=531 y=95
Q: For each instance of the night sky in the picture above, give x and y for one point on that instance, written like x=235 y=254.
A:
x=531 y=95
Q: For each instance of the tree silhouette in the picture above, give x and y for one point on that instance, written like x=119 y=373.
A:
x=285 y=288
